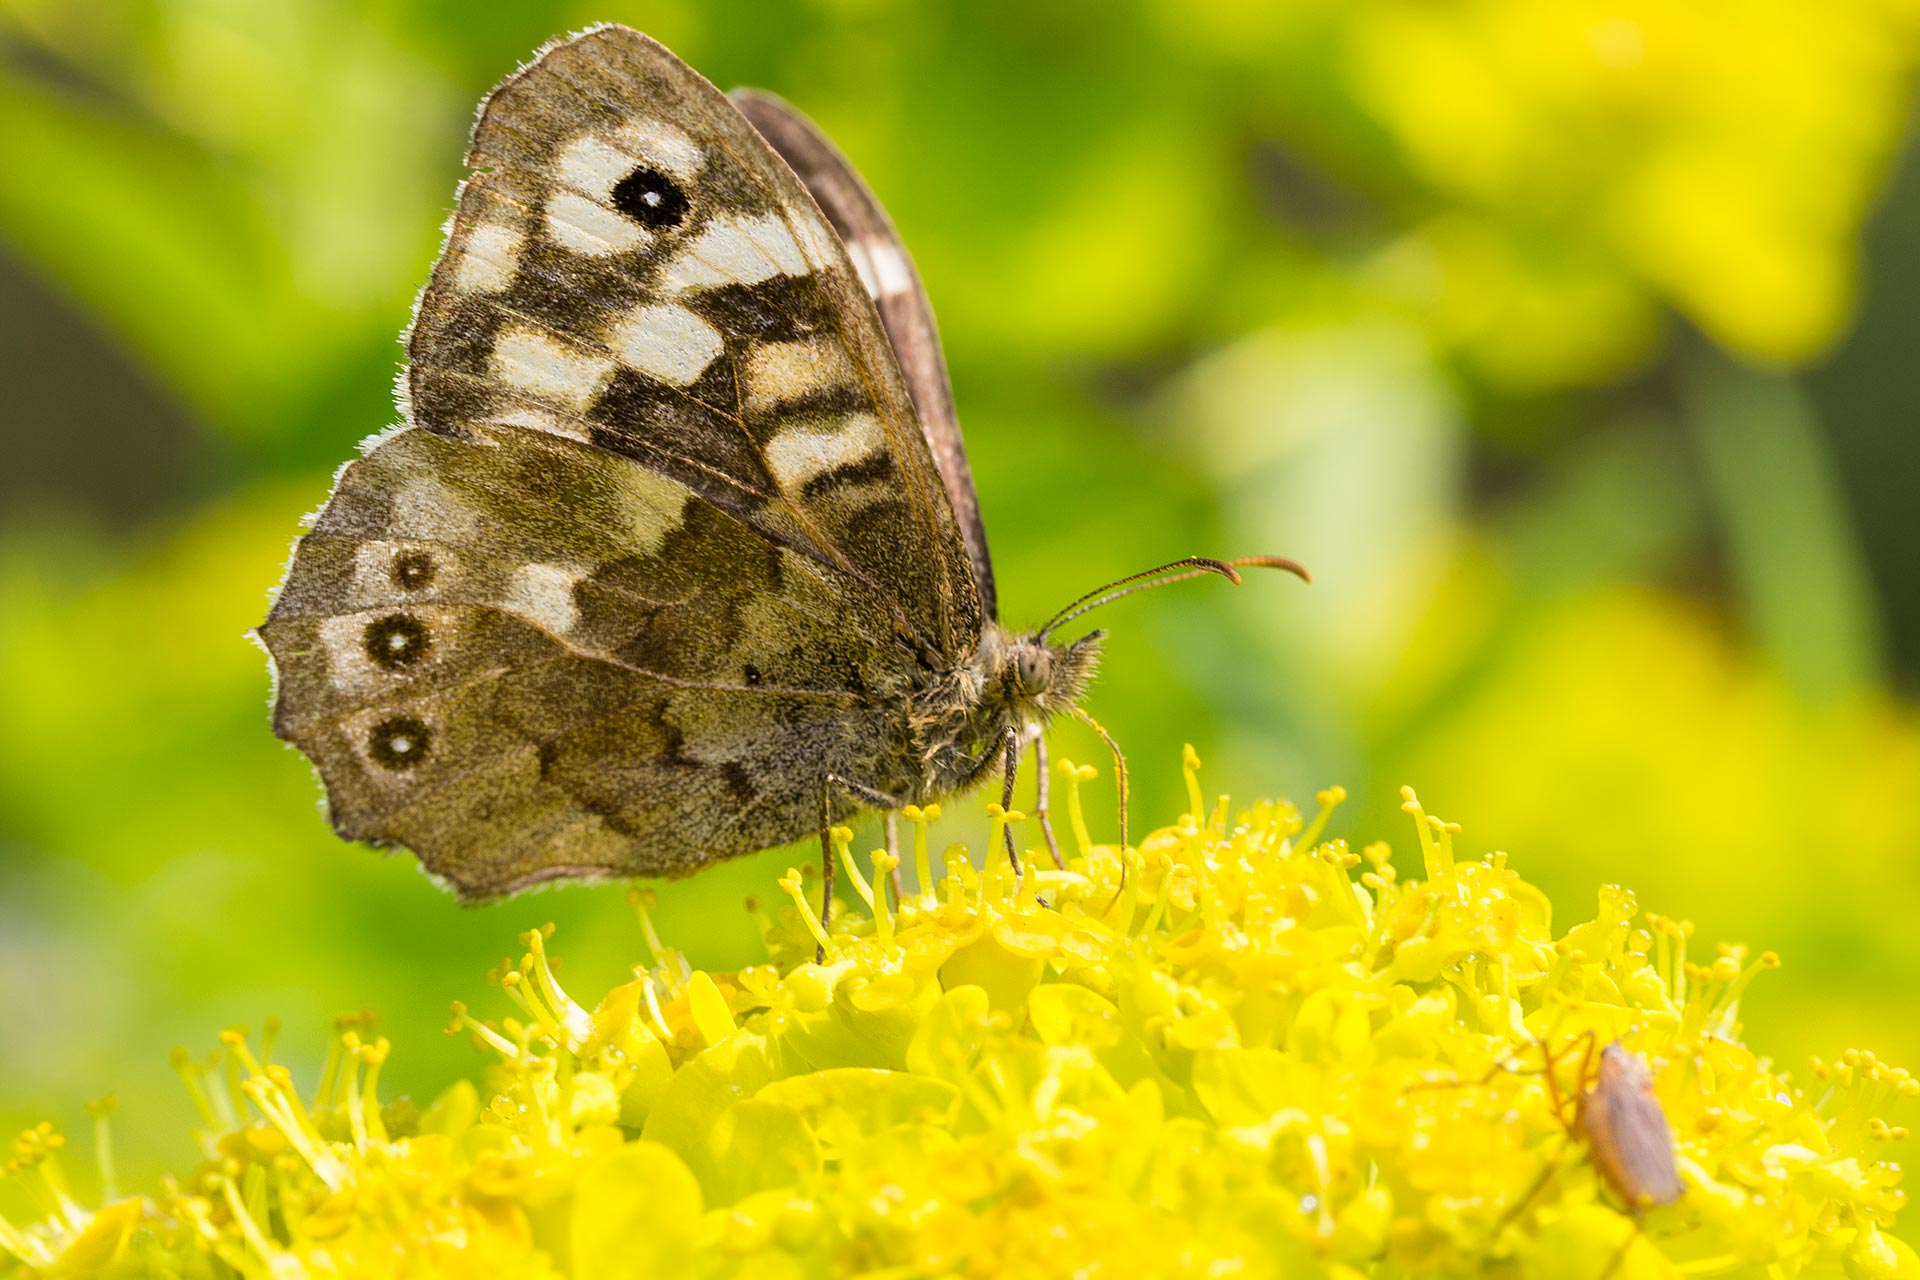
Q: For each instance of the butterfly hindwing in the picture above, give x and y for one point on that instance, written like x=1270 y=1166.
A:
x=517 y=691
x=664 y=536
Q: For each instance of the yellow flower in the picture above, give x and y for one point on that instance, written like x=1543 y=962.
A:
x=1237 y=1048
x=1599 y=157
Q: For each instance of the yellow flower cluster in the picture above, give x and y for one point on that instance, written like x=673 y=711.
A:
x=1237 y=1049
x=1599 y=157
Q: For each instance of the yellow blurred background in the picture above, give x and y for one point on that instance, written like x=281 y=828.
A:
x=1570 y=344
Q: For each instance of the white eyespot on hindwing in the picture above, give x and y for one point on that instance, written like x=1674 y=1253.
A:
x=393 y=742
x=372 y=649
x=549 y=369
x=389 y=573
x=489 y=258
x=806 y=450
x=779 y=372
x=736 y=249
x=543 y=594
x=666 y=342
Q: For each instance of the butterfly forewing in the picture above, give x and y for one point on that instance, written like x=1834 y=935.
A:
x=664 y=533
x=631 y=264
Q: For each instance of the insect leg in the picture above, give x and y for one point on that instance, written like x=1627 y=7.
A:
x=1534 y=1188
x=1040 y=799
x=1620 y=1254
x=1010 y=748
x=865 y=795
x=1502 y=1066
x=1577 y=1124
x=826 y=864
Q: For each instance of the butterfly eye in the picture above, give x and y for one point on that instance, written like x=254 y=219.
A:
x=399 y=743
x=650 y=198
x=396 y=641
x=1033 y=667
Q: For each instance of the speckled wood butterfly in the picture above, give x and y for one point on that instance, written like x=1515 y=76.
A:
x=677 y=556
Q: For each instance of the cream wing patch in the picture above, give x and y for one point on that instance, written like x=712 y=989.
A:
x=489 y=259
x=663 y=145
x=580 y=224
x=777 y=373
x=593 y=167
x=429 y=509
x=736 y=249
x=543 y=594
x=654 y=505
x=666 y=342
x=816 y=240
x=804 y=451
x=549 y=369
x=535 y=420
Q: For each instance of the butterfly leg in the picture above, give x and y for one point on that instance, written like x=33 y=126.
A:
x=1040 y=799
x=865 y=795
x=1010 y=750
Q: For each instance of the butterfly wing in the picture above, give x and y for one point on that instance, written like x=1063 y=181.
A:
x=664 y=540
x=633 y=264
x=887 y=274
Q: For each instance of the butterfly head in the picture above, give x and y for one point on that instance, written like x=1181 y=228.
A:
x=1040 y=678
x=1030 y=678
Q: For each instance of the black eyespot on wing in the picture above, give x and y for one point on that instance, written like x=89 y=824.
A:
x=412 y=570
x=650 y=198
x=399 y=743
x=397 y=640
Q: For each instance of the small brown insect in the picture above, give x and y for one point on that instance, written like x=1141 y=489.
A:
x=1622 y=1124
x=1627 y=1131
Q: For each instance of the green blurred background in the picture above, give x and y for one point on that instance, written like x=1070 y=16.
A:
x=1571 y=345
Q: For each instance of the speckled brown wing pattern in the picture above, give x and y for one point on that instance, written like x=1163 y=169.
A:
x=664 y=535
x=887 y=273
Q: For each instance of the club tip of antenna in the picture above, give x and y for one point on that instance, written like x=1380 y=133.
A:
x=1293 y=567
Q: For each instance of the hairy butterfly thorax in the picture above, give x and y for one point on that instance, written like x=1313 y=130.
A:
x=677 y=554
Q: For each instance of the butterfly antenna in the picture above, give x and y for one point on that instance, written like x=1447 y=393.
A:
x=1163 y=575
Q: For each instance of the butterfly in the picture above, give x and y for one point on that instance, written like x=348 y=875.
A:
x=677 y=555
